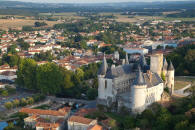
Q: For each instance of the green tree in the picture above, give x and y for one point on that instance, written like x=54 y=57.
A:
x=49 y=78
x=30 y=100
x=8 y=105
x=92 y=93
x=4 y=93
x=26 y=74
x=16 y=103
x=79 y=73
x=183 y=125
x=23 y=102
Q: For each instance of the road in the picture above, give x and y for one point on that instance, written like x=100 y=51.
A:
x=181 y=92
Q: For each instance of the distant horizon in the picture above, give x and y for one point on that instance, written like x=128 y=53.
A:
x=95 y=2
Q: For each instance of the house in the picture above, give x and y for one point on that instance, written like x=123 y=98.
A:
x=103 y=45
x=8 y=76
x=46 y=119
x=142 y=51
x=80 y=123
x=96 y=127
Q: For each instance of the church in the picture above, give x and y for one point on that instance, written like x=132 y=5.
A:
x=135 y=85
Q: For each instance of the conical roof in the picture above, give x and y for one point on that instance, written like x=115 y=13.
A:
x=170 y=66
x=165 y=64
x=140 y=78
x=126 y=59
x=104 y=67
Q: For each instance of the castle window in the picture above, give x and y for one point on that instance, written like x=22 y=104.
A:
x=105 y=83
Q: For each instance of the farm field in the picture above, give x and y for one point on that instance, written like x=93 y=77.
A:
x=65 y=15
x=125 y=18
x=5 y=24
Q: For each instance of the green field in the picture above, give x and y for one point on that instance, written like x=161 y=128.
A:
x=69 y=15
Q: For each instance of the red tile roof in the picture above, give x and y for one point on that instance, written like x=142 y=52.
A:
x=80 y=119
x=43 y=112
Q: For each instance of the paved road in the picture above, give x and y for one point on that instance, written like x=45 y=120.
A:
x=181 y=92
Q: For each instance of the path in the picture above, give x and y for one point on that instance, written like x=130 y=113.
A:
x=181 y=92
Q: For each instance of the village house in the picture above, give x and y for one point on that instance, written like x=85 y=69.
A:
x=80 y=123
x=39 y=118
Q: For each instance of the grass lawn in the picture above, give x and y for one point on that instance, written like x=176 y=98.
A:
x=115 y=116
x=181 y=82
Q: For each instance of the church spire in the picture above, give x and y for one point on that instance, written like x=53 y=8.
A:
x=104 y=67
x=126 y=59
x=140 y=78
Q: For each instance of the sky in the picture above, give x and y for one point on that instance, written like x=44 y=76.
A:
x=92 y=1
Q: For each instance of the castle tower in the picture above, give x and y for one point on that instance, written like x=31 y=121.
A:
x=101 y=80
x=170 y=78
x=126 y=59
x=165 y=67
x=156 y=63
x=164 y=71
x=138 y=93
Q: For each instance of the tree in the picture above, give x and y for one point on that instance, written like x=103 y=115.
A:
x=10 y=126
x=12 y=49
x=79 y=73
x=26 y=74
x=24 y=45
x=16 y=103
x=163 y=76
x=183 y=125
x=23 y=102
x=39 y=24
x=13 y=60
x=129 y=122
x=92 y=93
x=30 y=100
x=8 y=105
x=52 y=83
x=4 y=93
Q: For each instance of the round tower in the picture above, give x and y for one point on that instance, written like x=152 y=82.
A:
x=101 y=79
x=138 y=93
x=165 y=66
x=164 y=71
x=170 y=78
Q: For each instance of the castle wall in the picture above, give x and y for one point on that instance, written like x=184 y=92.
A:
x=123 y=83
x=154 y=94
x=156 y=63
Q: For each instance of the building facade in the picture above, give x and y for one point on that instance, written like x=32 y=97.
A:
x=134 y=86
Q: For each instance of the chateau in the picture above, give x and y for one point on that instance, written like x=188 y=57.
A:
x=134 y=85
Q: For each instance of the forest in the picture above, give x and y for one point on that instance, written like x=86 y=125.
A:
x=183 y=59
